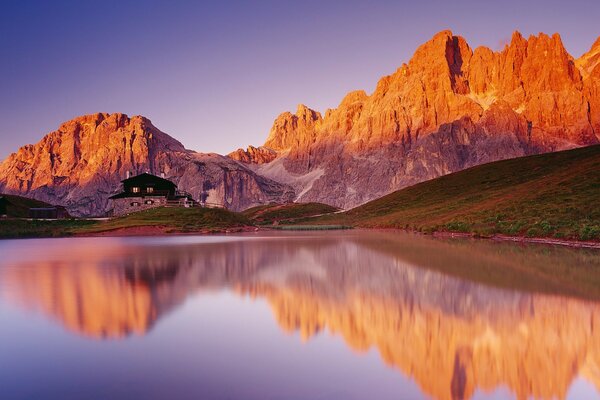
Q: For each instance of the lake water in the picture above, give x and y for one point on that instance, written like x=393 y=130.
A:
x=351 y=315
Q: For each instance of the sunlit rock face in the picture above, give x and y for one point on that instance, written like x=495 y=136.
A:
x=82 y=163
x=449 y=108
x=255 y=155
x=437 y=312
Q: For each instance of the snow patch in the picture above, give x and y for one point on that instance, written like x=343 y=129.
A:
x=308 y=180
x=301 y=183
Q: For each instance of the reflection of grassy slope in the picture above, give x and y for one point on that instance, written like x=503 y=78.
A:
x=175 y=220
x=528 y=268
x=549 y=195
x=287 y=213
x=18 y=206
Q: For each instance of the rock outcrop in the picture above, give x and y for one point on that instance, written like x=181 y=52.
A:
x=256 y=155
x=82 y=163
x=449 y=108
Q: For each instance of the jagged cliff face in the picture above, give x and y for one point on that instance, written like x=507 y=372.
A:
x=82 y=163
x=449 y=108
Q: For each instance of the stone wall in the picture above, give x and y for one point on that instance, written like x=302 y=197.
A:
x=129 y=205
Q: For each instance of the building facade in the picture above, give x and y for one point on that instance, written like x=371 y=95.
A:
x=147 y=191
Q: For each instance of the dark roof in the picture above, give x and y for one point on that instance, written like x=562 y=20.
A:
x=146 y=177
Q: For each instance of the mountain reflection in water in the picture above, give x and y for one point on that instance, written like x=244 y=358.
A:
x=456 y=316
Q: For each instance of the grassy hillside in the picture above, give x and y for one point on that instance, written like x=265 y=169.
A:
x=18 y=207
x=168 y=220
x=196 y=219
x=551 y=195
x=286 y=213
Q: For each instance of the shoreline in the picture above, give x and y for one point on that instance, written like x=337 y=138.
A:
x=516 y=239
x=162 y=230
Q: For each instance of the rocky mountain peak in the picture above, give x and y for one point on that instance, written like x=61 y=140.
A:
x=588 y=62
x=447 y=108
x=291 y=129
x=82 y=163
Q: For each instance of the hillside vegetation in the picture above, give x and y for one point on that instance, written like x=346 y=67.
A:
x=175 y=220
x=287 y=213
x=163 y=220
x=551 y=195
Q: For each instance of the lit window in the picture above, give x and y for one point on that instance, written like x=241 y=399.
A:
x=149 y=189
x=135 y=189
x=135 y=204
x=149 y=202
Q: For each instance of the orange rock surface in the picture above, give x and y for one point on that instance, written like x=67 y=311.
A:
x=449 y=108
x=82 y=163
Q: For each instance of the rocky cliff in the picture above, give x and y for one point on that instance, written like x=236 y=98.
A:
x=449 y=108
x=82 y=163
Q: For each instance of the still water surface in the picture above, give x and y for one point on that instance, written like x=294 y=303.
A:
x=356 y=315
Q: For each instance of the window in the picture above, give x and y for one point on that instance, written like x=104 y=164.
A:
x=135 y=204
x=135 y=189
x=149 y=202
x=149 y=189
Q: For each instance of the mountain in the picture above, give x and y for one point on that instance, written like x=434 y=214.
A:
x=82 y=163
x=448 y=109
x=545 y=195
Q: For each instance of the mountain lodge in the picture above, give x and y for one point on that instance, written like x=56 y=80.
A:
x=145 y=191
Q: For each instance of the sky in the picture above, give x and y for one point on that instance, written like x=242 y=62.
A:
x=215 y=75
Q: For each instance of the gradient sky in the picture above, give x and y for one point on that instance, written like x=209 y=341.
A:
x=215 y=75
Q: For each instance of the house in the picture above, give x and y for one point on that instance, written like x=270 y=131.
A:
x=55 y=212
x=145 y=191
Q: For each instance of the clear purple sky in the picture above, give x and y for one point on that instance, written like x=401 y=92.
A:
x=215 y=74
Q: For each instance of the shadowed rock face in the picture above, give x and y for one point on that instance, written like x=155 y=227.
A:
x=82 y=163
x=449 y=108
x=451 y=334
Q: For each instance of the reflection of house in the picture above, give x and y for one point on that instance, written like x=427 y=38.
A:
x=55 y=212
x=146 y=191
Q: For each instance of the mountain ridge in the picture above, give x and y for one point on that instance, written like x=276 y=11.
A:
x=448 y=108
x=82 y=163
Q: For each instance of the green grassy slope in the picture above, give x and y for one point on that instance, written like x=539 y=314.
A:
x=170 y=220
x=196 y=219
x=550 y=195
x=287 y=213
